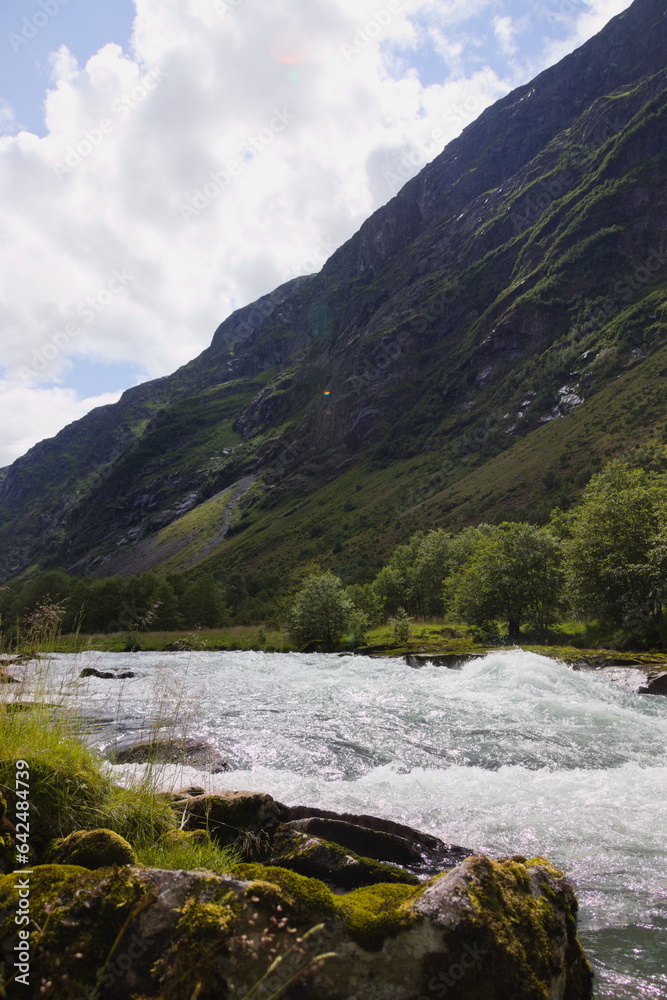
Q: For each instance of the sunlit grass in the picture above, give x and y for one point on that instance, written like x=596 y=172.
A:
x=188 y=856
x=69 y=784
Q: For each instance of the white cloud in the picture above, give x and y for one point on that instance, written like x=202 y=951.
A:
x=28 y=415
x=7 y=120
x=505 y=31
x=289 y=105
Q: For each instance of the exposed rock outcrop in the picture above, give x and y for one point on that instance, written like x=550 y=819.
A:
x=486 y=929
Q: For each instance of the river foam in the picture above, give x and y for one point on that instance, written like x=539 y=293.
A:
x=514 y=753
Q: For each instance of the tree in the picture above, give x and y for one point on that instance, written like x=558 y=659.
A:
x=203 y=603
x=108 y=608
x=432 y=565
x=367 y=601
x=321 y=613
x=393 y=583
x=400 y=626
x=512 y=573
x=167 y=613
x=615 y=549
x=414 y=576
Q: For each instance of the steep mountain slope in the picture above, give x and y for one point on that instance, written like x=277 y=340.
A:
x=484 y=339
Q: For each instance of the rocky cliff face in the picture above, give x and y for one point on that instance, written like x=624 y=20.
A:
x=507 y=286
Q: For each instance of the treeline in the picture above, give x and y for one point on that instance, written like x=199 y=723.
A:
x=138 y=603
x=604 y=560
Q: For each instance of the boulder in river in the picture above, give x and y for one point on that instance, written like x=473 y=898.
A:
x=655 y=685
x=340 y=868
x=157 y=749
x=486 y=929
x=454 y=661
x=109 y=675
x=382 y=839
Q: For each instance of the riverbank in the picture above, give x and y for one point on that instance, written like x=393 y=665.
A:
x=436 y=639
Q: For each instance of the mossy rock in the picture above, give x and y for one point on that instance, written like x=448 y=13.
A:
x=92 y=849
x=303 y=899
x=76 y=916
x=227 y=815
x=377 y=912
x=194 y=955
x=503 y=929
x=333 y=864
x=520 y=915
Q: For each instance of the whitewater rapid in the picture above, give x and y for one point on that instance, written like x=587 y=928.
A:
x=514 y=753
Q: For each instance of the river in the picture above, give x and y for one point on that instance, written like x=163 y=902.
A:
x=514 y=753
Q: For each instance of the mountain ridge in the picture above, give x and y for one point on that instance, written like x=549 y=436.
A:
x=497 y=257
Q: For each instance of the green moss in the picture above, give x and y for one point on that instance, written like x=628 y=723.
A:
x=191 y=960
x=377 y=912
x=371 y=914
x=303 y=898
x=78 y=918
x=93 y=849
x=521 y=928
x=43 y=882
x=329 y=861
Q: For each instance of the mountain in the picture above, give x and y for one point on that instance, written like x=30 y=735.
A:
x=487 y=338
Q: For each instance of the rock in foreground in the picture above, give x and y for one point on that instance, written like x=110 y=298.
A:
x=486 y=930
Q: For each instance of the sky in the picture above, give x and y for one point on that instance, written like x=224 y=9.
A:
x=164 y=162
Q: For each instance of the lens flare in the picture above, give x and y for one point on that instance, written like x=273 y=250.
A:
x=291 y=48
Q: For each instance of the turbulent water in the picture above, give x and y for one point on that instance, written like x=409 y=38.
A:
x=514 y=753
